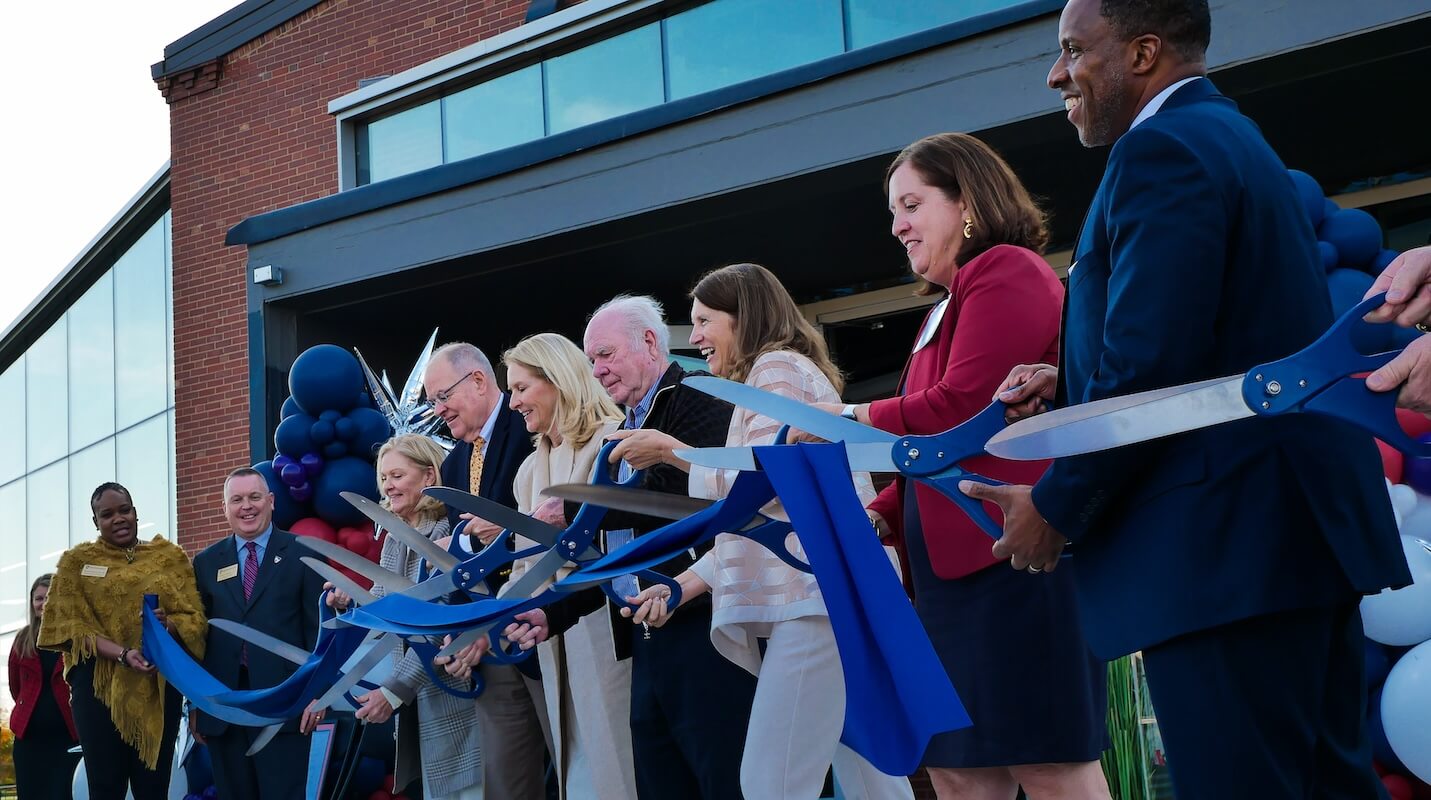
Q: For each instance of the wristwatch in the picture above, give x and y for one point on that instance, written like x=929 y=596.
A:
x=848 y=412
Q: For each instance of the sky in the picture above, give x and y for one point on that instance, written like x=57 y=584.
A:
x=84 y=127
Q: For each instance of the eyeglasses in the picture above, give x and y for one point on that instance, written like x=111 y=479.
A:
x=441 y=398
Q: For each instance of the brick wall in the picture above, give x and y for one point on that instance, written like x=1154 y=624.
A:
x=250 y=133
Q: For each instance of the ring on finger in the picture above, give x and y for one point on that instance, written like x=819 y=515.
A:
x=1035 y=570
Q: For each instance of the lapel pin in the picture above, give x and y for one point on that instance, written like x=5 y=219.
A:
x=277 y=559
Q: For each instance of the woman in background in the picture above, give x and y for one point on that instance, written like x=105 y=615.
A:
x=42 y=722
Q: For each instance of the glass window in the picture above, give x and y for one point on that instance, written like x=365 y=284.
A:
x=729 y=41
x=405 y=142
x=12 y=421
x=88 y=468
x=875 y=21
x=164 y=225
x=48 y=517
x=14 y=578
x=606 y=79
x=145 y=472
x=500 y=113
x=91 y=364
x=46 y=398
x=141 y=338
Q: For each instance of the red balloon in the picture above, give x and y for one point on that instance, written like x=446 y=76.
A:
x=376 y=550
x=1398 y=787
x=1393 y=463
x=388 y=782
x=1413 y=423
x=381 y=794
x=313 y=526
x=1378 y=768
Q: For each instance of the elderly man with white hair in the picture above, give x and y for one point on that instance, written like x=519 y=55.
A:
x=689 y=705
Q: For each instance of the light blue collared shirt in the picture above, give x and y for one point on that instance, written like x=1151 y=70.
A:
x=242 y=545
x=635 y=418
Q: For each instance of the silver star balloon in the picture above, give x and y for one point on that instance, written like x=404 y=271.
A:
x=408 y=412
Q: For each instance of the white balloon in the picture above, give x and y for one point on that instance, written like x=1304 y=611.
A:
x=1417 y=521
x=1403 y=500
x=1403 y=617
x=1405 y=708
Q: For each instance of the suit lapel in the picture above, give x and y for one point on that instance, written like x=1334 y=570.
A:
x=496 y=447
x=272 y=558
x=234 y=585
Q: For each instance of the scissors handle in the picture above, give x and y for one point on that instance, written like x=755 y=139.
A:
x=1325 y=378
x=650 y=576
x=427 y=651
x=921 y=456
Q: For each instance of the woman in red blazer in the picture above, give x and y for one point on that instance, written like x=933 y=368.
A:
x=43 y=725
x=1010 y=641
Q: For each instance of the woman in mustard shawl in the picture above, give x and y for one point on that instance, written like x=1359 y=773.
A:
x=127 y=716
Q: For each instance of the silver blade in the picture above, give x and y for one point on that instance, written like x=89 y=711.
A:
x=545 y=568
x=389 y=580
x=257 y=638
x=263 y=738
x=1119 y=421
x=639 y=501
x=412 y=388
x=790 y=412
x=515 y=521
x=405 y=533
x=340 y=581
x=864 y=457
x=374 y=649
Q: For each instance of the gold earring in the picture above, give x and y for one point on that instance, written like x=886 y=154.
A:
x=968 y=227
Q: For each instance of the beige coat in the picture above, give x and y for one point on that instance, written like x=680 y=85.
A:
x=588 y=692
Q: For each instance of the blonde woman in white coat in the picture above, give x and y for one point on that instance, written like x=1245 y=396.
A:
x=588 y=692
x=749 y=329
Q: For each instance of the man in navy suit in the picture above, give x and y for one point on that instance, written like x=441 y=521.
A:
x=492 y=443
x=254 y=576
x=1234 y=556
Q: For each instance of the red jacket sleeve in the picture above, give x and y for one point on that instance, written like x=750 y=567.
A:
x=14 y=669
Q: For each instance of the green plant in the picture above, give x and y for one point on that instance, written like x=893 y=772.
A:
x=1125 y=763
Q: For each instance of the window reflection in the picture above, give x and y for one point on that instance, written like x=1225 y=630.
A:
x=48 y=516
x=729 y=41
x=88 y=469
x=500 y=113
x=46 y=398
x=141 y=339
x=12 y=421
x=875 y=21
x=405 y=142
x=145 y=472
x=606 y=79
x=14 y=577
x=91 y=364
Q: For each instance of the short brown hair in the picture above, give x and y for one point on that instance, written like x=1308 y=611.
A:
x=964 y=168
x=766 y=319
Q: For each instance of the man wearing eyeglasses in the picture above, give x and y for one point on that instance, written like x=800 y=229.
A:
x=492 y=443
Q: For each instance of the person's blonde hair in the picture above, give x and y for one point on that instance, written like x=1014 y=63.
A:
x=425 y=453
x=766 y=319
x=25 y=639
x=582 y=406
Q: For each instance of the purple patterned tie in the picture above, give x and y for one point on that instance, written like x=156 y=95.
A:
x=250 y=569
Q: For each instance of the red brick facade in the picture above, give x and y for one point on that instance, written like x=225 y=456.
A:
x=251 y=133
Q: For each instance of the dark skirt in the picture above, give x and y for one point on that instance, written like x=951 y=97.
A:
x=1012 y=646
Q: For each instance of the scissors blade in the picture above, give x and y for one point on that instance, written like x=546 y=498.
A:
x=864 y=457
x=639 y=501
x=258 y=638
x=790 y=412
x=1119 y=421
x=524 y=587
x=405 y=533
x=340 y=581
x=375 y=648
x=388 y=579
x=515 y=521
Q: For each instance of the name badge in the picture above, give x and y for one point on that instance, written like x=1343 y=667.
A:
x=231 y=571
x=94 y=571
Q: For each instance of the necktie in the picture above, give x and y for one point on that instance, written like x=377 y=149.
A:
x=250 y=569
x=474 y=471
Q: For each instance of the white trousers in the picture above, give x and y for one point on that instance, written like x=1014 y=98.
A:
x=796 y=720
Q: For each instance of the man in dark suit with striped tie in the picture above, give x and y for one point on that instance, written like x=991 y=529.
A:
x=492 y=443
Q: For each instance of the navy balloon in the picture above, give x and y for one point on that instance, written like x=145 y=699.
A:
x=1355 y=234
x=280 y=461
x=1328 y=208
x=372 y=430
x=1311 y=193
x=322 y=432
x=1417 y=473
x=303 y=492
x=331 y=415
x=291 y=473
x=345 y=429
x=343 y=475
x=293 y=435
x=1383 y=260
x=1347 y=287
x=286 y=510
x=290 y=407
x=335 y=449
x=325 y=377
x=312 y=464
x=1329 y=254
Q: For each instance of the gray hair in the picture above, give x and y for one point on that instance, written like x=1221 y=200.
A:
x=641 y=313
x=464 y=358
